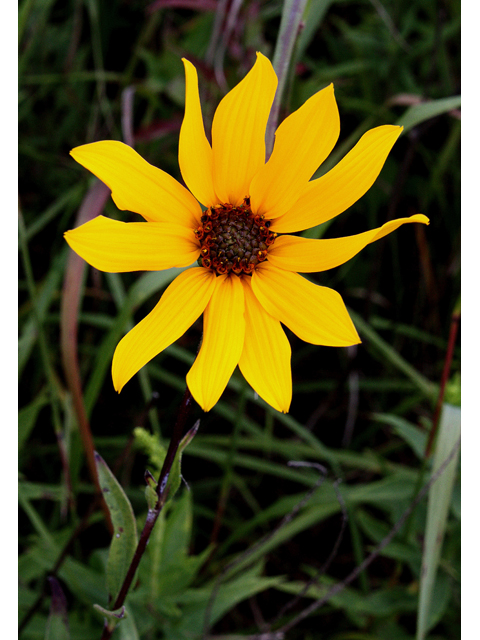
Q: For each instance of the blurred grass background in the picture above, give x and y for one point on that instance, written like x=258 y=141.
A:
x=92 y=70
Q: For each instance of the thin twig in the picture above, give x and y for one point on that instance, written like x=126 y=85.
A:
x=289 y=28
x=326 y=564
x=353 y=398
x=385 y=16
x=216 y=31
x=279 y=634
x=249 y=552
x=386 y=541
x=227 y=31
x=128 y=95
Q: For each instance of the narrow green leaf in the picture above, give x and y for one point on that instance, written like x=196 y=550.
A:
x=146 y=286
x=46 y=293
x=392 y=488
x=418 y=113
x=149 y=443
x=112 y=618
x=439 y=499
x=175 y=477
x=128 y=629
x=415 y=437
x=453 y=390
x=178 y=529
x=156 y=452
x=40 y=491
x=57 y=624
x=71 y=197
x=83 y=581
x=124 y=540
x=393 y=357
x=312 y=19
x=28 y=416
x=229 y=594
x=150 y=490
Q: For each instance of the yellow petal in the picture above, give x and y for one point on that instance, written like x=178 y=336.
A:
x=343 y=185
x=266 y=355
x=223 y=337
x=238 y=132
x=115 y=247
x=315 y=314
x=180 y=305
x=194 y=151
x=137 y=185
x=302 y=142
x=305 y=255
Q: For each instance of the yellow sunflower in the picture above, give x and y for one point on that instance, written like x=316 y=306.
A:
x=247 y=283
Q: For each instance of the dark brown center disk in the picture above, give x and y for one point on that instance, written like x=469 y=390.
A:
x=233 y=238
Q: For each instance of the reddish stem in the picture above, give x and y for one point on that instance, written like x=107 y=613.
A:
x=153 y=514
x=445 y=375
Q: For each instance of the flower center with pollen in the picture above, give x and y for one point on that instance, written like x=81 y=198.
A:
x=233 y=238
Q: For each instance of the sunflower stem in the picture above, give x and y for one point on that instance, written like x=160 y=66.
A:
x=152 y=515
x=289 y=28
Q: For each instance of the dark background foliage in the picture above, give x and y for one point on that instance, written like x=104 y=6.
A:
x=92 y=70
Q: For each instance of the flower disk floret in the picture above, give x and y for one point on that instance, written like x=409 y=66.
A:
x=233 y=239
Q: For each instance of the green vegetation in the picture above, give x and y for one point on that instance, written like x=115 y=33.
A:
x=249 y=541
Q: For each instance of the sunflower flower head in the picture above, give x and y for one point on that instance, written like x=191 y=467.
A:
x=247 y=281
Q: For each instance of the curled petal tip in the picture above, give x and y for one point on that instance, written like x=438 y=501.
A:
x=419 y=217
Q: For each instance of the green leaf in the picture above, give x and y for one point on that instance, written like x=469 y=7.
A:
x=112 y=618
x=229 y=594
x=390 y=600
x=381 y=602
x=147 y=285
x=178 y=529
x=156 y=452
x=175 y=477
x=418 y=113
x=151 y=446
x=453 y=390
x=45 y=297
x=150 y=490
x=37 y=491
x=57 y=624
x=83 y=581
x=439 y=499
x=28 y=416
x=348 y=598
x=312 y=19
x=128 y=629
x=124 y=540
x=168 y=568
x=390 y=489
x=388 y=353
x=415 y=437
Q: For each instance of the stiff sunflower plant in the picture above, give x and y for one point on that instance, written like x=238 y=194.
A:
x=246 y=283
